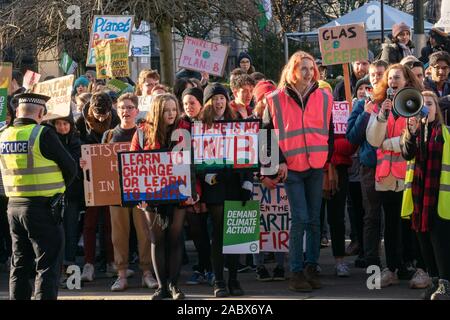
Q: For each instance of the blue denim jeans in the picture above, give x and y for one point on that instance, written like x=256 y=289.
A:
x=304 y=191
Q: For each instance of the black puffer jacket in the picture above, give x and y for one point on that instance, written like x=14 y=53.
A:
x=392 y=52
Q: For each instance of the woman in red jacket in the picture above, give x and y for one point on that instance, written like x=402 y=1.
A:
x=165 y=221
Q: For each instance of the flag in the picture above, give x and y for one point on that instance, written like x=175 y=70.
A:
x=67 y=64
x=265 y=8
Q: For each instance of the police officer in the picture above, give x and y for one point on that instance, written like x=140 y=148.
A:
x=36 y=170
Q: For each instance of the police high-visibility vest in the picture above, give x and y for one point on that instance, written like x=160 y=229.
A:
x=25 y=171
x=444 y=187
x=388 y=161
x=302 y=135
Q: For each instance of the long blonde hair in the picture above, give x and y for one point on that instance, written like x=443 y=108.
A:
x=288 y=75
x=156 y=130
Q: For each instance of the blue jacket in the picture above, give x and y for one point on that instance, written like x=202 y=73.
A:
x=356 y=134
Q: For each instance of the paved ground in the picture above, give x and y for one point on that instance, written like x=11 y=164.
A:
x=350 y=288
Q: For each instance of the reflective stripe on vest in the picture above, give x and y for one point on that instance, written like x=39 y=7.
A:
x=29 y=173
x=444 y=183
x=302 y=135
x=389 y=162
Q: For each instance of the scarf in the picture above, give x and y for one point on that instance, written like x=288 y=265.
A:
x=406 y=50
x=427 y=173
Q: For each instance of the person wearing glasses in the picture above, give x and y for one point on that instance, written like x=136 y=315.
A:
x=439 y=83
x=127 y=109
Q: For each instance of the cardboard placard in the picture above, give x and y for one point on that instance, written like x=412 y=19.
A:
x=343 y=44
x=108 y=27
x=5 y=82
x=101 y=174
x=275 y=217
x=203 y=56
x=111 y=58
x=60 y=91
x=341 y=113
x=116 y=86
x=153 y=176
x=241 y=227
x=226 y=144
x=30 y=79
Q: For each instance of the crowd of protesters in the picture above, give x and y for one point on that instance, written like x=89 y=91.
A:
x=389 y=173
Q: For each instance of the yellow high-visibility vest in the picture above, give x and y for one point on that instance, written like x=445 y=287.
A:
x=25 y=171
x=444 y=187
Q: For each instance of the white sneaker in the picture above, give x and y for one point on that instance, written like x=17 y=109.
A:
x=149 y=282
x=88 y=273
x=342 y=270
x=388 y=278
x=420 y=280
x=120 y=284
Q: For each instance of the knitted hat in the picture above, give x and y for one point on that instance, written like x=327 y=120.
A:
x=196 y=92
x=359 y=83
x=243 y=55
x=399 y=27
x=213 y=89
x=262 y=88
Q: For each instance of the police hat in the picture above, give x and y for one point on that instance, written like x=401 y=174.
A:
x=32 y=98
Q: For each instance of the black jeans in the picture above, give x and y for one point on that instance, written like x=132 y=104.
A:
x=198 y=227
x=35 y=235
x=336 y=213
x=435 y=248
x=393 y=238
x=372 y=215
x=356 y=214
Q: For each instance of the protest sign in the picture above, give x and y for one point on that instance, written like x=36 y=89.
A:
x=241 y=227
x=226 y=144
x=343 y=44
x=30 y=78
x=203 y=56
x=155 y=176
x=341 y=113
x=111 y=58
x=108 y=27
x=60 y=92
x=275 y=217
x=5 y=81
x=101 y=174
x=116 y=86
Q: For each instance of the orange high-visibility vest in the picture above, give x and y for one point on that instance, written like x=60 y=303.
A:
x=389 y=161
x=302 y=135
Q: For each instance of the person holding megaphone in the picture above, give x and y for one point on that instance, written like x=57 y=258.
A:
x=426 y=146
x=383 y=132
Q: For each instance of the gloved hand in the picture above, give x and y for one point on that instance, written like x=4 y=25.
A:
x=246 y=192
x=211 y=179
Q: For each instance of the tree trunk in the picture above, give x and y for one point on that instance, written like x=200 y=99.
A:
x=165 y=52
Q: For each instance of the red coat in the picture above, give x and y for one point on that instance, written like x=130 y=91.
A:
x=343 y=150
